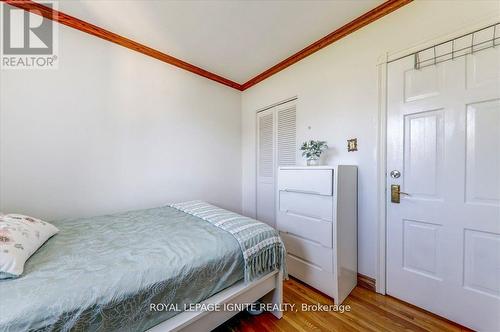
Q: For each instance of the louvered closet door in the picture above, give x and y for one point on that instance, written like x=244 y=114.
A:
x=287 y=138
x=265 y=167
x=276 y=146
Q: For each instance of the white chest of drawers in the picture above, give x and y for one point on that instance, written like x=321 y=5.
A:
x=317 y=219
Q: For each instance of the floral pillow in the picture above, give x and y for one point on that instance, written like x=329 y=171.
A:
x=20 y=237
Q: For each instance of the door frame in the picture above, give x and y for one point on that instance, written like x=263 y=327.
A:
x=382 y=65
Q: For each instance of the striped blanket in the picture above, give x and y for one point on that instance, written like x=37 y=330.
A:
x=263 y=250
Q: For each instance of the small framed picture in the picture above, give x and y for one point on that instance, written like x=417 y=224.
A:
x=352 y=144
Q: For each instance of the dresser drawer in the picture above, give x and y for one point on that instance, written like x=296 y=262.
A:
x=311 y=274
x=314 y=206
x=314 y=181
x=311 y=252
x=313 y=229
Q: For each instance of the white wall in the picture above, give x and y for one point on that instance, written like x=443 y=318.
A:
x=338 y=98
x=114 y=130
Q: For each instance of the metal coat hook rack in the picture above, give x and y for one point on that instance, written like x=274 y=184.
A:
x=454 y=51
x=474 y=46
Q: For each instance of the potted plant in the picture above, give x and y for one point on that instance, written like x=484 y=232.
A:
x=312 y=150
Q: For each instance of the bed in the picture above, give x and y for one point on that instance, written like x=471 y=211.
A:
x=134 y=271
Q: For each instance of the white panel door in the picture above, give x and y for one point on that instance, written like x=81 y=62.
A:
x=266 y=169
x=443 y=238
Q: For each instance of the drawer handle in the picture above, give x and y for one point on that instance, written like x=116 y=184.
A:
x=290 y=212
x=313 y=242
x=304 y=261
x=302 y=191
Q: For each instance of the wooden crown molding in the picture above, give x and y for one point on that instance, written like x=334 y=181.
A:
x=94 y=30
x=73 y=22
x=365 y=19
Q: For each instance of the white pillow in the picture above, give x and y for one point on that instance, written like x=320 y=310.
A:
x=20 y=237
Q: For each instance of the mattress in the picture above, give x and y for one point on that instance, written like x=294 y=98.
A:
x=103 y=273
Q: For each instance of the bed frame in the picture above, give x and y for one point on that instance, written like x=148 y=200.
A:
x=268 y=289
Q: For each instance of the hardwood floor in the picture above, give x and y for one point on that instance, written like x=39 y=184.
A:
x=369 y=312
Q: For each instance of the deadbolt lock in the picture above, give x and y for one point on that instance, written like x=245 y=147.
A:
x=396 y=193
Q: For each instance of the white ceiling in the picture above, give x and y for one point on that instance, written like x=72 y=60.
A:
x=234 y=39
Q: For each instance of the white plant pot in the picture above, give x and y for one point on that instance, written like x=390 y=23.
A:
x=313 y=162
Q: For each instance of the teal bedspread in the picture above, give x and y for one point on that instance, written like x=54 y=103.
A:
x=102 y=273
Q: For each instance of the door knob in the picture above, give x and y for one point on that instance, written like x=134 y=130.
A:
x=396 y=193
x=395 y=174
